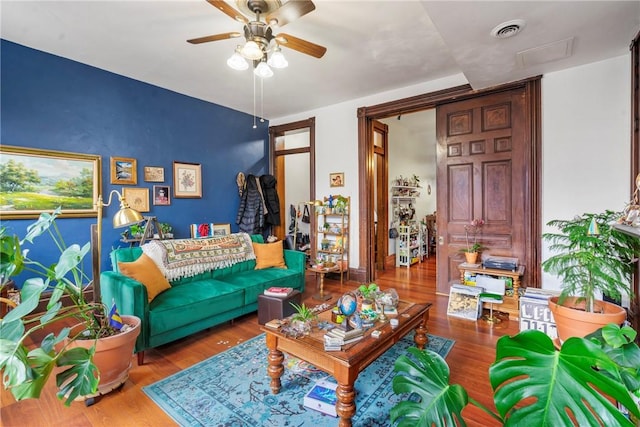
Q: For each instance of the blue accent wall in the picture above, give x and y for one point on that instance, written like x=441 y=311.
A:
x=54 y=103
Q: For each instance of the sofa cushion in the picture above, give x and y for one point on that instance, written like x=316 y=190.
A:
x=145 y=271
x=181 y=306
x=269 y=255
x=256 y=281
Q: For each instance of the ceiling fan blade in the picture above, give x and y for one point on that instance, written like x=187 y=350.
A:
x=290 y=11
x=228 y=10
x=214 y=38
x=301 y=45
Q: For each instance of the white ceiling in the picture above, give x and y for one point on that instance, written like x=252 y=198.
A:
x=372 y=46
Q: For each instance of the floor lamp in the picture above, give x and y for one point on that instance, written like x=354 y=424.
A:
x=125 y=217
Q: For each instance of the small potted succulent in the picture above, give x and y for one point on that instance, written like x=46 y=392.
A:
x=303 y=318
x=166 y=230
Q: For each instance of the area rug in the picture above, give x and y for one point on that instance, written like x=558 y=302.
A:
x=232 y=389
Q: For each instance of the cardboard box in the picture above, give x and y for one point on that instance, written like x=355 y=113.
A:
x=322 y=397
x=464 y=301
x=535 y=314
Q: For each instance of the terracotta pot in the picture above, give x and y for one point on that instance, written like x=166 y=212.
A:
x=573 y=321
x=472 y=257
x=113 y=355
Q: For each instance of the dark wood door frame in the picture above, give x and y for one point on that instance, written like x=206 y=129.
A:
x=366 y=269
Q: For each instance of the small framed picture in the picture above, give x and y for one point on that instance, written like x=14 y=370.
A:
x=161 y=195
x=336 y=179
x=153 y=174
x=123 y=170
x=187 y=180
x=137 y=197
x=221 y=229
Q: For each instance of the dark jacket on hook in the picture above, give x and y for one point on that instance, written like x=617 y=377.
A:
x=271 y=199
x=250 y=218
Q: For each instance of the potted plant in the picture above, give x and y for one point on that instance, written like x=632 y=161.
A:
x=303 y=318
x=473 y=247
x=166 y=230
x=367 y=295
x=533 y=384
x=590 y=257
x=136 y=230
x=77 y=332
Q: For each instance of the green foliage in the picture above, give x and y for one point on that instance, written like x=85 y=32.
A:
x=26 y=369
x=303 y=313
x=81 y=186
x=587 y=263
x=14 y=176
x=368 y=291
x=165 y=227
x=531 y=381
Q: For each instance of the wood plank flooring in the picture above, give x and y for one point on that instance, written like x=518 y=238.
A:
x=469 y=361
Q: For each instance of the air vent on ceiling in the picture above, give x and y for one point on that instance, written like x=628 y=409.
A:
x=508 y=29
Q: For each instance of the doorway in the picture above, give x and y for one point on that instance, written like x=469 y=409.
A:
x=366 y=115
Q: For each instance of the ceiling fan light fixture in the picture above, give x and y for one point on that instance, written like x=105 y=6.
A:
x=263 y=70
x=237 y=61
x=277 y=59
x=251 y=50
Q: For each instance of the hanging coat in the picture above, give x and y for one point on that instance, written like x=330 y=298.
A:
x=250 y=218
x=271 y=200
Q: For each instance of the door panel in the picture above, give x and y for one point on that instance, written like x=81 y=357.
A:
x=482 y=156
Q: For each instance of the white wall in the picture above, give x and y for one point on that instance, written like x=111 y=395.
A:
x=586 y=142
x=586 y=113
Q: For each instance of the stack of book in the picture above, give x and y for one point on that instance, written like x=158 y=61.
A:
x=337 y=337
x=275 y=291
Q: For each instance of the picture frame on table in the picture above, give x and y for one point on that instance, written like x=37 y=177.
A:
x=153 y=174
x=137 y=197
x=124 y=170
x=37 y=181
x=221 y=230
x=336 y=179
x=187 y=180
x=161 y=195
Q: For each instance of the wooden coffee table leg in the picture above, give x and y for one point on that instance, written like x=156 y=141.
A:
x=345 y=407
x=275 y=359
x=420 y=338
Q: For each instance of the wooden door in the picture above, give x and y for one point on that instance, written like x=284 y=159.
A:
x=483 y=165
x=381 y=197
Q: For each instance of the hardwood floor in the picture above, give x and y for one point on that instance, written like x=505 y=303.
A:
x=469 y=361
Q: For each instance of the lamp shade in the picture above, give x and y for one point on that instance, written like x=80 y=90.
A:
x=263 y=70
x=251 y=50
x=126 y=216
x=277 y=59
x=237 y=62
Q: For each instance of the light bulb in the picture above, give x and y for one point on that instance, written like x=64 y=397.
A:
x=263 y=70
x=251 y=50
x=277 y=59
x=237 y=62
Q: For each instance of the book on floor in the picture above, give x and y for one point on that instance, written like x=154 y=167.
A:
x=322 y=397
x=275 y=291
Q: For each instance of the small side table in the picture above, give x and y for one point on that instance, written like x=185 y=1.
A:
x=320 y=272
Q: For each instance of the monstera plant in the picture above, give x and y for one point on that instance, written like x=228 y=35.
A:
x=531 y=380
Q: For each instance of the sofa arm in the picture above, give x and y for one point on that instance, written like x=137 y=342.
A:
x=295 y=260
x=130 y=297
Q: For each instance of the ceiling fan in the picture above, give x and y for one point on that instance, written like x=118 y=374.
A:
x=258 y=33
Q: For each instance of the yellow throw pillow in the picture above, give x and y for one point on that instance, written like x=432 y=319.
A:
x=269 y=255
x=145 y=271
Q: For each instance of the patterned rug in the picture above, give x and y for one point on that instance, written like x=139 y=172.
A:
x=232 y=389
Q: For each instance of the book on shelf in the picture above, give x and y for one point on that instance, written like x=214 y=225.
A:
x=275 y=291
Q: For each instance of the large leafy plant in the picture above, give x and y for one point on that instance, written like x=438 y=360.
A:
x=531 y=381
x=27 y=365
x=589 y=261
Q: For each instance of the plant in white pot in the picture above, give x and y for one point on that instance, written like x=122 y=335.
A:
x=76 y=332
x=591 y=258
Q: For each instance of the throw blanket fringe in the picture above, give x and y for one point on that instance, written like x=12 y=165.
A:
x=188 y=257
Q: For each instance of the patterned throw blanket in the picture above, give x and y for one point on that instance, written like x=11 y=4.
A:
x=188 y=257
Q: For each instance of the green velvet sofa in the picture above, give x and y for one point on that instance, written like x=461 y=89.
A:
x=198 y=302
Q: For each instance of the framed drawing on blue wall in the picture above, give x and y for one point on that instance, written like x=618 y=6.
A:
x=33 y=181
x=187 y=180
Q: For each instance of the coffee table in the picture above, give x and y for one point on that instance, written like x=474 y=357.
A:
x=345 y=365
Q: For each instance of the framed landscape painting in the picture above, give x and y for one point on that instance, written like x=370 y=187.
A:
x=187 y=180
x=124 y=170
x=33 y=181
